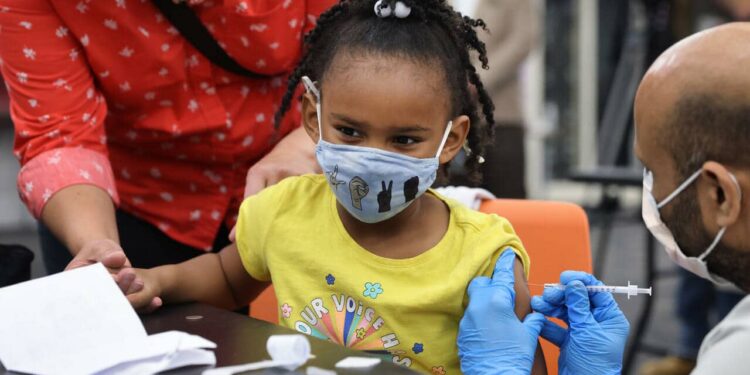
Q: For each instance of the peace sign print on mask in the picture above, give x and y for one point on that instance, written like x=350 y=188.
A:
x=384 y=197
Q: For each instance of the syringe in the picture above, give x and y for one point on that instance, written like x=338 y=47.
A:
x=630 y=290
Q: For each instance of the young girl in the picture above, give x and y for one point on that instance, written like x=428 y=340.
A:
x=365 y=254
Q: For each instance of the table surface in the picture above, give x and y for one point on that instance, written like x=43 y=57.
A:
x=241 y=339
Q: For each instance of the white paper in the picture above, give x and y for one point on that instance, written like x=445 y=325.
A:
x=312 y=370
x=357 y=362
x=159 y=352
x=287 y=351
x=165 y=351
x=79 y=322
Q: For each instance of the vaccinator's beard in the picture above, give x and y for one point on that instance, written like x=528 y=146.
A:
x=684 y=219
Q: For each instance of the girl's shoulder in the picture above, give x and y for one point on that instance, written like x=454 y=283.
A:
x=297 y=185
x=289 y=193
x=482 y=236
x=466 y=217
x=290 y=202
x=292 y=194
x=303 y=184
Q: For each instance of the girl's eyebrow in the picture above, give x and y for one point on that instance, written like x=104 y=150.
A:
x=350 y=120
x=412 y=129
x=363 y=124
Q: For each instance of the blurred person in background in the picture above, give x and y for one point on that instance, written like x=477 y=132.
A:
x=513 y=33
x=130 y=138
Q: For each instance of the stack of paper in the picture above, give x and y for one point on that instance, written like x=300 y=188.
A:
x=79 y=322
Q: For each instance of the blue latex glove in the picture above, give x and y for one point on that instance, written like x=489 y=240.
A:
x=491 y=339
x=595 y=340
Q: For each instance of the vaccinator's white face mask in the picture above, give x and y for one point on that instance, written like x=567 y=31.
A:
x=656 y=226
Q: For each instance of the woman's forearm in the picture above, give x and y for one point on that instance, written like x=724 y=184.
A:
x=79 y=215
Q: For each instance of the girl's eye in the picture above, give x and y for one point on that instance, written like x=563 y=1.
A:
x=349 y=132
x=404 y=140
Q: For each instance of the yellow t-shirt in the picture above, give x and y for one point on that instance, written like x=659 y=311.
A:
x=331 y=288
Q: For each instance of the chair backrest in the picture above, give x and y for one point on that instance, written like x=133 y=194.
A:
x=265 y=306
x=555 y=234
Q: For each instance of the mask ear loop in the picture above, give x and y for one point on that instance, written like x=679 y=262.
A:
x=310 y=87
x=679 y=189
x=737 y=184
x=445 y=138
x=724 y=229
x=713 y=244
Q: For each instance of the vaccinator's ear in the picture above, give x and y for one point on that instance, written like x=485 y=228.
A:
x=724 y=192
x=456 y=138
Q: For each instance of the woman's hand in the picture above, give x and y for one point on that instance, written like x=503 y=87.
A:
x=82 y=217
x=147 y=298
x=111 y=255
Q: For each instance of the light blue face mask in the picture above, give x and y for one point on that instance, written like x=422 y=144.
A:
x=373 y=185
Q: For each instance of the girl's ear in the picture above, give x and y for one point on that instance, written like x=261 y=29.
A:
x=310 y=116
x=456 y=138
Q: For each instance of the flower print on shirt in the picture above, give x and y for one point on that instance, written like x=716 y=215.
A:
x=418 y=348
x=372 y=290
x=361 y=333
x=286 y=311
x=330 y=279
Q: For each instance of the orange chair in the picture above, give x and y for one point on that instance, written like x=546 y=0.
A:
x=555 y=234
x=265 y=307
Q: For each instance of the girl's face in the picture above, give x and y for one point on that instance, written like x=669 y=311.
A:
x=385 y=102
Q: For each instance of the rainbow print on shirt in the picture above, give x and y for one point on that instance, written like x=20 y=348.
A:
x=348 y=321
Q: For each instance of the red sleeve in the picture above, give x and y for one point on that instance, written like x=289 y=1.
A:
x=54 y=105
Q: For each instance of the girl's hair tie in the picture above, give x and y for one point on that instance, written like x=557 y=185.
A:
x=469 y=152
x=399 y=10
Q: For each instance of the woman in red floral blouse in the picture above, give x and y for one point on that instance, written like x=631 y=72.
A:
x=128 y=136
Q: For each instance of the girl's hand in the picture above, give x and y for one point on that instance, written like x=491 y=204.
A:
x=147 y=298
